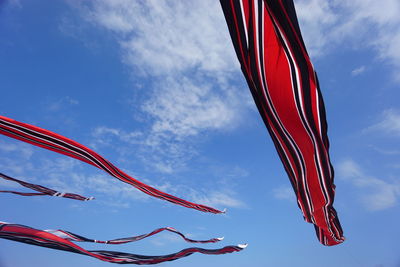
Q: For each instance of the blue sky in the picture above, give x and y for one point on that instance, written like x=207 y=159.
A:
x=155 y=87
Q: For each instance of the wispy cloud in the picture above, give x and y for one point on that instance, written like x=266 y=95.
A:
x=24 y=150
x=69 y=175
x=158 y=151
x=13 y=154
x=190 y=69
x=166 y=238
x=183 y=109
x=377 y=194
x=62 y=174
x=359 y=23
x=389 y=152
x=358 y=71
x=221 y=199
x=316 y=18
x=177 y=112
x=284 y=193
x=105 y=136
x=155 y=40
x=60 y=103
x=389 y=124
x=189 y=64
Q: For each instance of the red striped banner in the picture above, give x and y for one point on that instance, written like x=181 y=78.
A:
x=268 y=43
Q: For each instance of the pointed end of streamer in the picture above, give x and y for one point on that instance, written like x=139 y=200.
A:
x=220 y=238
x=242 y=246
x=223 y=211
x=89 y=198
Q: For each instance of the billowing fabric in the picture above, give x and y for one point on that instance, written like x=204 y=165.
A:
x=58 y=143
x=268 y=43
x=43 y=191
x=77 y=238
x=58 y=240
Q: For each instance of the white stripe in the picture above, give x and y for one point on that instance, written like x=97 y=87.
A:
x=244 y=23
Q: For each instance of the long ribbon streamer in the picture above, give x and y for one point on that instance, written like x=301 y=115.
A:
x=41 y=189
x=77 y=238
x=25 y=234
x=60 y=144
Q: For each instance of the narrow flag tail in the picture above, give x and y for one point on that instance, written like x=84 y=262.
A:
x=42 y=190
x=77 y=238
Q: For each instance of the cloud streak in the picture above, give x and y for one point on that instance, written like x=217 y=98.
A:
x=379 y=194
x=358 y=71
x=341 y=24
x=389 y=124
x=185 y=109
x=160 y=37
x=183 y=51
x=222 y=199
x=284 y=193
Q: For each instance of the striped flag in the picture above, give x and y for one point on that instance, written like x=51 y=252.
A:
x=273 y=57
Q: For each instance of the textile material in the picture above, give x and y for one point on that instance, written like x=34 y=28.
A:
x=77 y=238
x=43 y=191
x=268 y=43
x=58 y=143
x=28 y=235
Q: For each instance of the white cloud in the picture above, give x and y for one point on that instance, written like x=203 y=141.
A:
x=15 y=157
x=359 y=23
x=316 y=18
x=62 y=102
x=23 y=149
x=65 y=174
x=112 y=187
x=217 y=199
x=61 y=174
x=378 y=194
x=184 y=51
x=284 y=193
x=166 y=238
x=389 y=124
x=386 y=151
x=184 y=109
x=176 y=112
x=157 y=151
x=104 y=136
x=358 y=71
x=160 y=37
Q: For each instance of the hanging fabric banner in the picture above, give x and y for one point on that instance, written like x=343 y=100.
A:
x=273 y=58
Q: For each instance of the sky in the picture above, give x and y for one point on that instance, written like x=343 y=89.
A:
x=155 y=87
